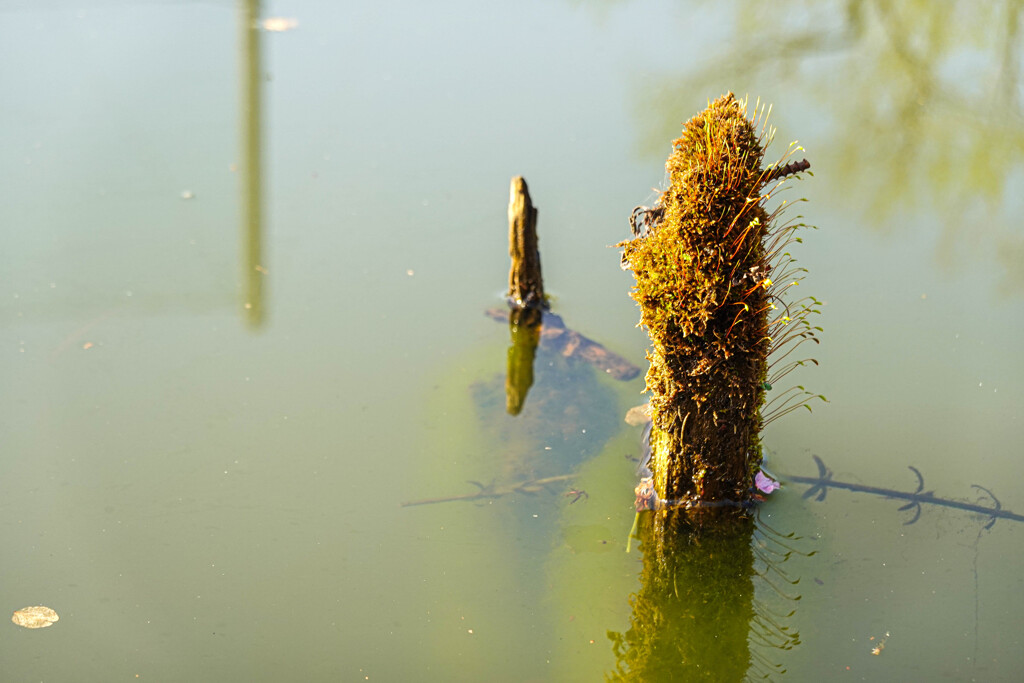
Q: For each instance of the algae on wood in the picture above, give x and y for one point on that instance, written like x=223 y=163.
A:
x=704 y=261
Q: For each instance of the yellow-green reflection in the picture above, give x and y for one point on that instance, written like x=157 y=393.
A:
x=524 y=329
x=251 y=167
x=695 y=617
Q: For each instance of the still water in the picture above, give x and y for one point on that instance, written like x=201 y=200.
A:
x=202 y=468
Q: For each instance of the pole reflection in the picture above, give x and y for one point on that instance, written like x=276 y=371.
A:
x=251 y=166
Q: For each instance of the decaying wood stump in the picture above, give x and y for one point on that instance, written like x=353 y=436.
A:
x=525 y=284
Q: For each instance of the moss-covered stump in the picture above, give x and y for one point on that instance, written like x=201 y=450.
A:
x=702 y=269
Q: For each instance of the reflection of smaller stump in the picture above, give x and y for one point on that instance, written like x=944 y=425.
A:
x=557 y=338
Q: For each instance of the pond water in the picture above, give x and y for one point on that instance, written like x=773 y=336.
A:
x=235 y=339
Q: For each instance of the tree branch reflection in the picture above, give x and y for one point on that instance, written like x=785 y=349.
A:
x=923 y=101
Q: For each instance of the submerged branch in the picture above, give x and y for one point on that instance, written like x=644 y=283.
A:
x=819 y=487
x=490 y=492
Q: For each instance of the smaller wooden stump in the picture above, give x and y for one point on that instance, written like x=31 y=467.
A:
x=525 y=284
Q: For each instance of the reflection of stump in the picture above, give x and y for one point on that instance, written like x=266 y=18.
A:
x=693 y=615
x=525 y=285
x=555 y=336
x=524 y=327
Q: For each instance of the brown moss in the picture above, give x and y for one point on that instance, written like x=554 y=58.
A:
x=702 y=287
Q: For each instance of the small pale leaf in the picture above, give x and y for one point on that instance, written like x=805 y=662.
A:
x=35 y=617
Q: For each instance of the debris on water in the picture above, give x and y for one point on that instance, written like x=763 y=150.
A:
x=638 y=415
x=35 y=617
x=646 y=496
x=877 y=649
x=764 y=483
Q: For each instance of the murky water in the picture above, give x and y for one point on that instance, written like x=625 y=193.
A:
x=208 y=491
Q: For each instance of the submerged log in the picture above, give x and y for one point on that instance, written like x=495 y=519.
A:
x=820 y=485
x=491 y=491
x=571 y=344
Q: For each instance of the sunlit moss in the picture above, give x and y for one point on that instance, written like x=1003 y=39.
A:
x=703 y=287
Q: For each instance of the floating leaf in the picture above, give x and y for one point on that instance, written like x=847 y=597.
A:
x=765 y=484
x=639 y=415
x=35 y=617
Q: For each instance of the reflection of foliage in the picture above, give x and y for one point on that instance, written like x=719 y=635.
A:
x=928 y=109
x=768 y=629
